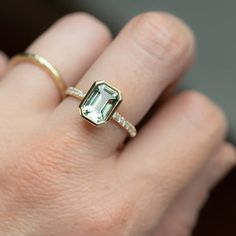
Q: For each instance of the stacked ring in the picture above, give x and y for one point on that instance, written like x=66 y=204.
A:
x=43 y=64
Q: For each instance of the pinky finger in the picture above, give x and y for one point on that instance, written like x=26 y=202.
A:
x=181 y=217
x=3 y=63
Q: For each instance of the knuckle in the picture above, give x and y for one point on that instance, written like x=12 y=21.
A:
x=203 y=113
x=163 y=36
x=226 y=159
x=75 y=20
x=182 y=226
x=230 y=151
x=72 y=19
x=109 y=222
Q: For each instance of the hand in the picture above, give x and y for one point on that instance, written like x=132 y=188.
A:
x=60 y=176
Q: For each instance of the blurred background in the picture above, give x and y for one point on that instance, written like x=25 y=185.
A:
x=214 y=73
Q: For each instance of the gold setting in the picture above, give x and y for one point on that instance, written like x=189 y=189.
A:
x=114 y=115
x=89 y=92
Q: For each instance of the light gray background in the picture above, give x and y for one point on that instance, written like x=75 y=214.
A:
x=213 y=22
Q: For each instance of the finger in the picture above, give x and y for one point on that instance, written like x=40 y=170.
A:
x=171 y=149
x=182 y=215
x=70 y=45
x=151 y=51
x=3 y=63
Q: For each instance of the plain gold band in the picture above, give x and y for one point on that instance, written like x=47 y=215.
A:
x=43 y=64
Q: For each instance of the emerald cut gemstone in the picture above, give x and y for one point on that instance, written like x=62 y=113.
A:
x=100 y=103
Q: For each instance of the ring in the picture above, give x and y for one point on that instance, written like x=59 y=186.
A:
x=99 y=105
x=43 y=64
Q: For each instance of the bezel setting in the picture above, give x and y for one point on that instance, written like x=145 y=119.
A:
x=100 y=103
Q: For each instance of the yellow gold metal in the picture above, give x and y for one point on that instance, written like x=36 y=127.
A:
x=43 y=64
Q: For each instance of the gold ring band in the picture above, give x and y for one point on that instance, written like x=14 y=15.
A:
x=94 y=102
x=43 y=64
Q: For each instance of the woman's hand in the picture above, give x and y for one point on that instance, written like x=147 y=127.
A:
x=60 y=176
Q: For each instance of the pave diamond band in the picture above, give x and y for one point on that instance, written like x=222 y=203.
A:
x=99 y=105
x=125 y=124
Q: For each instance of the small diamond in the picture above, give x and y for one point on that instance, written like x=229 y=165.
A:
x=122 y=120
x=119 y=119
x=115 y=115
x=127 y=126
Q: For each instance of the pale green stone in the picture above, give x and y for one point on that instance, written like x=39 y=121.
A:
x=100 y=103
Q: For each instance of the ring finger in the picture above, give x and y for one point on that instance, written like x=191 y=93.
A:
x=150 y=53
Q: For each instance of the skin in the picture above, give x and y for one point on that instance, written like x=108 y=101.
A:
x=3 y=63
x=60 y=176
